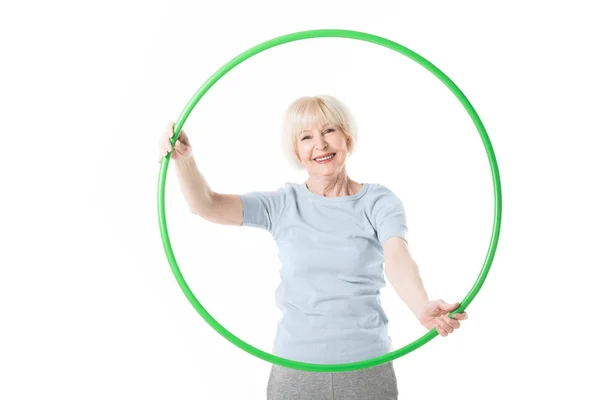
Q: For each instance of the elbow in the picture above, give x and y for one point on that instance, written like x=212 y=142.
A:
x=200 y=213
x=203 y=209
x=194 y=211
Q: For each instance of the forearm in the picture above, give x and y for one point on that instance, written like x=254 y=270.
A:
x=195 y=189
x=405 y=279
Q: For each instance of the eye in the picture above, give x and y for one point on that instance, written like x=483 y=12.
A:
x=329 y=130
x=304 y=137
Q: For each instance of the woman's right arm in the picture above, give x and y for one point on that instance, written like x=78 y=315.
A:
x=224 y=209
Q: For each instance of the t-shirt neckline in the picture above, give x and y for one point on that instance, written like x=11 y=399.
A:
x=317 y=197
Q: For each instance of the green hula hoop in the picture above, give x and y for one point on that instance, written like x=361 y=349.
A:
x=309 y=35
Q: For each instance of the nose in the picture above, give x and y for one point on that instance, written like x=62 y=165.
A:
x=321 y=143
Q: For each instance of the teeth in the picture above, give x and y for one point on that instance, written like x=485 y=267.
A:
x=325 y=158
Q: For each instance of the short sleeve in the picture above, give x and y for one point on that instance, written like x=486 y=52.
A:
x=389 y=215
x=263 y=209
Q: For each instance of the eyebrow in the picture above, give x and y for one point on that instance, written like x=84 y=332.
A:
x=323 y=127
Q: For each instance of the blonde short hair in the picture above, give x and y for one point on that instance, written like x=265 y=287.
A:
x=306 y=111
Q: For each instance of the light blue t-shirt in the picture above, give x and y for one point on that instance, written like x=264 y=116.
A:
x=331 y=253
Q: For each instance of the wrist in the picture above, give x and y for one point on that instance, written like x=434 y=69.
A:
x=187 y=157
x=419 y=308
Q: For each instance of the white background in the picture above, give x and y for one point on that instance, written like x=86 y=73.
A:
x=89 y=307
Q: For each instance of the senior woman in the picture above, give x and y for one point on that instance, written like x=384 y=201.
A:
x=336 y=239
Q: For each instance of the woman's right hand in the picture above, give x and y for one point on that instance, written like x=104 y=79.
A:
x=183 y=148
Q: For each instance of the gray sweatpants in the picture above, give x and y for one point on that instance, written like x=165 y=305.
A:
x=375 y=383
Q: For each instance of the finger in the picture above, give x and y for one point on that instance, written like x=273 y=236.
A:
x=166 y=143
x=179 y=147
x=441 y=331
x=168 y=134
x=183 y=137
x=448 y=307
x=444 y=325
x=161 y=157
x=166 y=148
x=440 y=328
x=169 y=128
x=452 y=322
x=461 y=316
x=161 y=152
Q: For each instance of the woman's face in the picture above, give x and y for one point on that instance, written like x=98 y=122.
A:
x=318 y=141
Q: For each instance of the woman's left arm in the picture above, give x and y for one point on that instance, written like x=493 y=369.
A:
x=403 y=273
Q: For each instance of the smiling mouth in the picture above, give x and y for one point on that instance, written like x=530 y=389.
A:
x=325 y=160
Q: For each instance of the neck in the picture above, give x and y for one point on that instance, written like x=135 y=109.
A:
x=333 y=186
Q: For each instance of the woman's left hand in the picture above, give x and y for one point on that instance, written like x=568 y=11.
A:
x=435 y=315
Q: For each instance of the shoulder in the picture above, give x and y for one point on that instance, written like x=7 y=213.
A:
x=280 y=192
x=264 y=208
x=387 y=213
x=288 y=189
x=383 y=202
x=379 y=193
